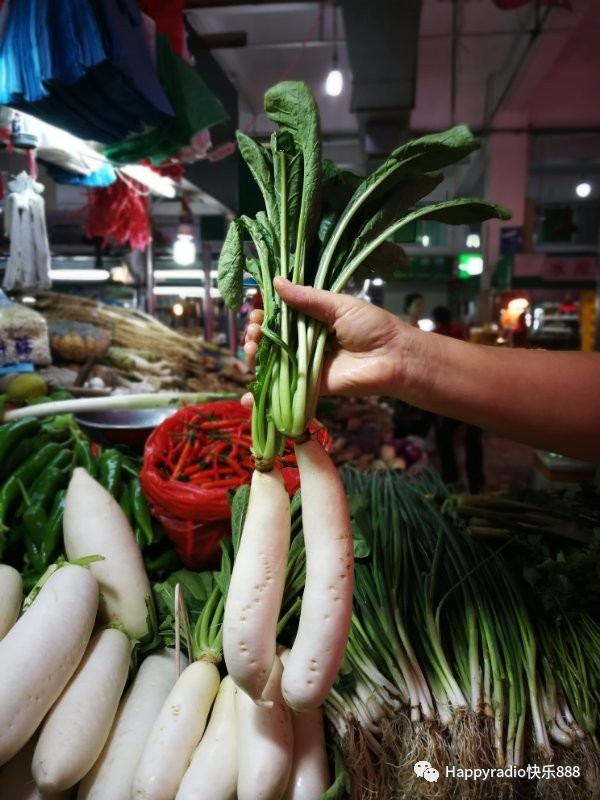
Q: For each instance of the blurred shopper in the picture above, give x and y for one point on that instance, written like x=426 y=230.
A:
x=447 y=428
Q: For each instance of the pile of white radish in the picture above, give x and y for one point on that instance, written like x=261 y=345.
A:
x=78 y=730
x=258 y=580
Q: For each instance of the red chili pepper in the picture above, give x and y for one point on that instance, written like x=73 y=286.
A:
x=221 y=423
x=182 y=459
x=220 y=483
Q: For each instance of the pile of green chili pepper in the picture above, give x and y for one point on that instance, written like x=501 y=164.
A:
x=37 y=459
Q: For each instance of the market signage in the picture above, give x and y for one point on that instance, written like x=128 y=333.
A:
x=555 y=268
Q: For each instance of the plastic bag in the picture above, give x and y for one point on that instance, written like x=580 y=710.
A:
x=196 y=517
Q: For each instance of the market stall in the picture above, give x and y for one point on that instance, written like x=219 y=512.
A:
x=275 y=598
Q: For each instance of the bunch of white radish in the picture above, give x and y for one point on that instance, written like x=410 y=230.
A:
x=60 y=681
x=258 y=580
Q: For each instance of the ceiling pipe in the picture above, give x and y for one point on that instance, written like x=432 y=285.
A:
x=382 y=50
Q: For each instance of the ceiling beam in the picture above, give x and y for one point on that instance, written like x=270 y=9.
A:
x=226 y=39
x=192 y=5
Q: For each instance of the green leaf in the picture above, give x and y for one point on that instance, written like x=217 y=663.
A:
x=230 y=270
x=288 y=170
x=383 y=262
x=455 y=212
x=427 y=154
x=463 y=211
x=393 y=206
x=239 y=506
x=260 y=163
x=291 y=105
x=263 y=242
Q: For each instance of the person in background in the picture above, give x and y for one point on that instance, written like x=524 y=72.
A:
x=414 y=306
x=543 y=398
x=446 y=428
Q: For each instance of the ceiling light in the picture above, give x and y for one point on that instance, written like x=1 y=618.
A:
x=76 y=275
x=184 y=291
x=583 y=189
x=178 y=274
x=334 y=83
x=184 y=249
x=335 y=80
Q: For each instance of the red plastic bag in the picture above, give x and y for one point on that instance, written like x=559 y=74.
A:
x=196 y=516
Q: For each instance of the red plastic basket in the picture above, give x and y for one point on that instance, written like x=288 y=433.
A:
x=196 y=518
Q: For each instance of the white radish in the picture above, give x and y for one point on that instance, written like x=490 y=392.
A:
x=326 y=612
x=94 y=524
x=77 y=727
x=257 y=583
x=265 y=742
x=213 y=770
x=111 y=777
x=16 y=781
x=176 y=733
x=11 y=597
x=309 y=778
x=41 y=651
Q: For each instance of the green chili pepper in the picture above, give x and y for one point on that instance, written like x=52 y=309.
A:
x=110 y=468
x=34 y=556
x=24 y=449
x=12 y=432
x=35 y=521
x=85 y=457
x=131 y=467
x=24 y=475
x=54 y=529
x=54 y=477
x=141 y=512
x=125 y=502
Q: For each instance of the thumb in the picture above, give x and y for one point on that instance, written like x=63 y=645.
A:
x=317 y=303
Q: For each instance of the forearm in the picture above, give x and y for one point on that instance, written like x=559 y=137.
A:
x=550 y=400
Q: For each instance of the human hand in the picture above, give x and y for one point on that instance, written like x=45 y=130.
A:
x=366 y=354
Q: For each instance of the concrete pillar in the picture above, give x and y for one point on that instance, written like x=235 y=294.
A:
x=506 y=185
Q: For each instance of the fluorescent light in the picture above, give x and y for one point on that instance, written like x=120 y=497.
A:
x=75 y=275
x=334 y=83
x=583 y=189
x=179 y=274
x=184 y=249
x=184 y=291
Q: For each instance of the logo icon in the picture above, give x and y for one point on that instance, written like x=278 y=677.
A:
x=423 y=769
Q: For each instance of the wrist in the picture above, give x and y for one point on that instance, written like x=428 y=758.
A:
x=411 y=376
